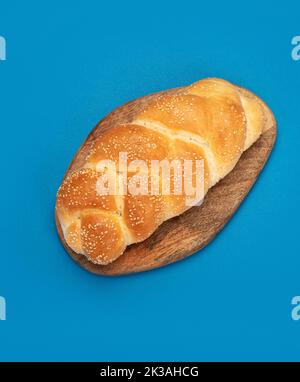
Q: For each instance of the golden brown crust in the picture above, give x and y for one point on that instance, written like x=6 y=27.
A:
x=219 y=121
x=78 y=192
x=102 y=237
x=211 y=120
x=137 y=141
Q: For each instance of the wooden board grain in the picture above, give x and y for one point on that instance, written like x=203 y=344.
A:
x=186 y=234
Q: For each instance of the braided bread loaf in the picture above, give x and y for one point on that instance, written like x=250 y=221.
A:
x=210 y=120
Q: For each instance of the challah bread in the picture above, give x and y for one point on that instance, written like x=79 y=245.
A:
x=212 y=121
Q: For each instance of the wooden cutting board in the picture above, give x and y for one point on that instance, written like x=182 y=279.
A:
x=186 y=234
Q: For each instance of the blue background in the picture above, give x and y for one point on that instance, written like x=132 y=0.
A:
x=70 y=63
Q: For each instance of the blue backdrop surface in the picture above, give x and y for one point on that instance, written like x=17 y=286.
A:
x=70 y=63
